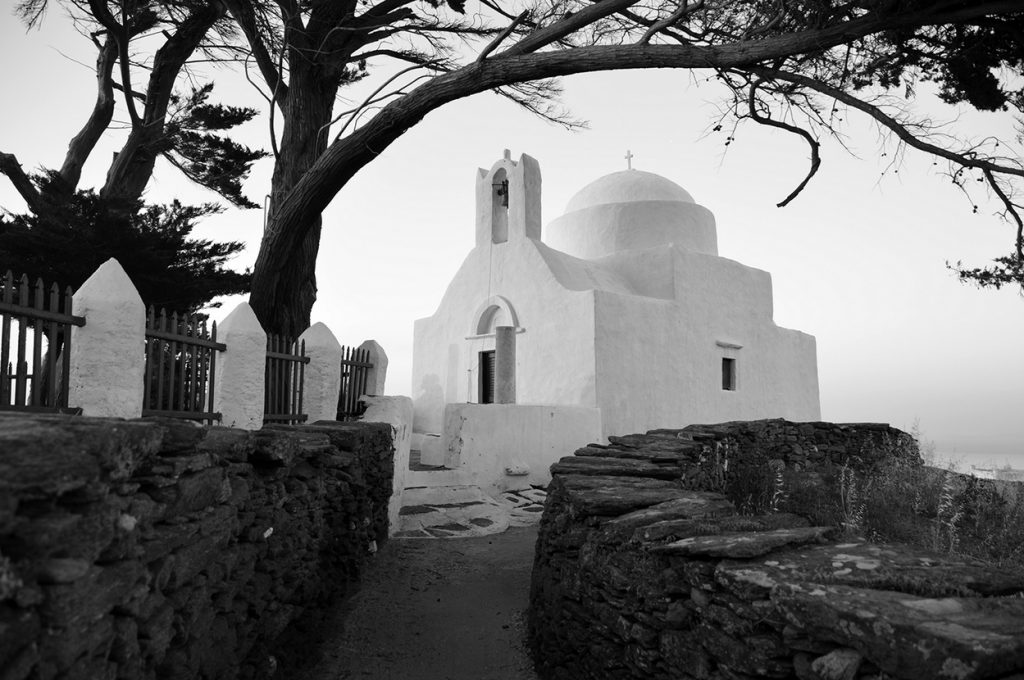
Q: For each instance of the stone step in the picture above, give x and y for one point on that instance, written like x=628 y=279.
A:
x=449 y=512
x=437 y=477
x=440 y=495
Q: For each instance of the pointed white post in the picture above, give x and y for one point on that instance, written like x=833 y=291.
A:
x=322 y=379
x=108 y=357
x=241 y=368
x=376 y=376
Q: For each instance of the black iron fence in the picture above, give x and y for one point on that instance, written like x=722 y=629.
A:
x=35 y=363
x=180 y=361
x=181 y=367
x=285 y=373
x=355 y=369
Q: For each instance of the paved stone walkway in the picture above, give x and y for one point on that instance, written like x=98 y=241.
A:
x=463 y=511
x=435 y=610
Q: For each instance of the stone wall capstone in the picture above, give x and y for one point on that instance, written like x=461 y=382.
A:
x=158 y=548
x=645 y=568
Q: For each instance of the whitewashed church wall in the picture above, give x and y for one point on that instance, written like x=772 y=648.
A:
x=489 y=440
x=649 y=272
x=645 y=385
x=555 y=356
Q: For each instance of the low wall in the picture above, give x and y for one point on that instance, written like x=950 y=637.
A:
x=396 y=412
x=158 y=548
x=490 y=441
x=645 y=568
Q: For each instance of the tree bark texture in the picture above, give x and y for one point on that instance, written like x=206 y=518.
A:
x=284 y=288
x=85 y=141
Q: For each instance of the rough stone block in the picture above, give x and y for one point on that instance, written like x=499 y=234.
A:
x=91 y=596
x=131 y=548
x=740 y=597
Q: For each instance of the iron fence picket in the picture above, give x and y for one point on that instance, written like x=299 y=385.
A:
x=180 y=374
x=285 y=375
x=355 y=368
x=37 y=389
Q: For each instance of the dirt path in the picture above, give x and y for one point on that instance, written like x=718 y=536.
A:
x=436 y=610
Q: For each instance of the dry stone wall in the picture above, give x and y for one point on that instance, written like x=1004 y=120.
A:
x=158 y=548
x=645 y=568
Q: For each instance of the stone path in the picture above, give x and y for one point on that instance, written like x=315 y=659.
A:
x=434 y=610
x=443 y=503
x=464 y=511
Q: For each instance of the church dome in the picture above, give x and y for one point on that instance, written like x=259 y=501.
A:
x=631 y=210
x=628 y=186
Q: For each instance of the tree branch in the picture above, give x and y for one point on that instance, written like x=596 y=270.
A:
x=299 y=209
x=905 y=135
x=85 y=141
x=370 y=99
x=122 y=36
x=384 y=7
x=1011 y=208
x=243 y=15
x=344 y=157
x=10 y=166
x=811 y=141
x=491 y=46
x=132 y=168
x=560 y=29
x=684 y=8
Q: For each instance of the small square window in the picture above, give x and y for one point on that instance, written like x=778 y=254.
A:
x=728 y=374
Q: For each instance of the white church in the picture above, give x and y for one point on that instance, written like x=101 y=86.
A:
x=624 y=306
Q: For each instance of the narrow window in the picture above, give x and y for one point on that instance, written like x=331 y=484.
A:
x=487 y=377
x=499 y=207
x=728 y=374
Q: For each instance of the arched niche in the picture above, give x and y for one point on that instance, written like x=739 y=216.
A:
x=494 y=311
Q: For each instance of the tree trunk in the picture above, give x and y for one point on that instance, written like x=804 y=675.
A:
x=284 y=288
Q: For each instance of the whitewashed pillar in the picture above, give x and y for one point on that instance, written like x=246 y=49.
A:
x=239 y=390
x=505 y=365
x=322 y=379
x=108 y=354
x=376 y=375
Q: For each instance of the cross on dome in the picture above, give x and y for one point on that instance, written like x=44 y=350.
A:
x=629 y=159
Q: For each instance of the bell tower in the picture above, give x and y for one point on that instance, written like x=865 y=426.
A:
x=508 y=200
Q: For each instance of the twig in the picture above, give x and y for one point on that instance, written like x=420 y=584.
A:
x=811 y=141
x=1011 y=208
x=684 y=9
x=491 y=46
x=368 y=100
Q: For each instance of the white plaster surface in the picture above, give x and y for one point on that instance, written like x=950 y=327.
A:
x=239 y=390
x=322 y=375
x=610 y=228
x=628 y=186
x=634 y=320
x=505 y=365
x=488 y=439
x=397 y=412
x=431 y=451
x=107 y=356
x=378 y=374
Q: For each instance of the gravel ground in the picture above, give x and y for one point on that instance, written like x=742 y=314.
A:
x=452 y=609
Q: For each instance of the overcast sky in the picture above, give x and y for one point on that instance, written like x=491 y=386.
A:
x=857 y=260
